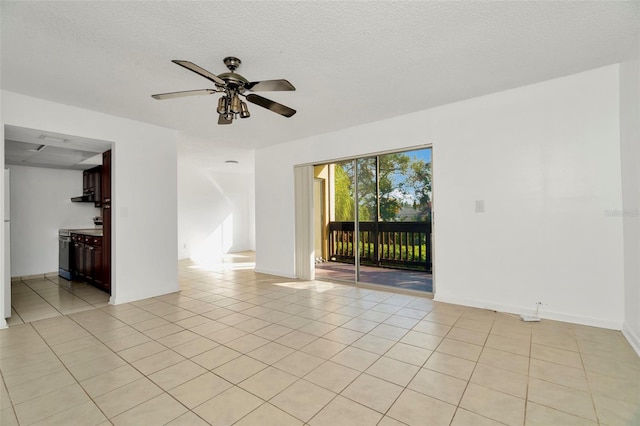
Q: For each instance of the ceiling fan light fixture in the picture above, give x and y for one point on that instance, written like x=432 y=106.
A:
x=244 y=110
x=235 y=104
x=222 y=105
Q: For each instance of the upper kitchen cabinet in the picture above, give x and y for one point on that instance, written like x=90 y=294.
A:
x=91 y=187
x=92 y=184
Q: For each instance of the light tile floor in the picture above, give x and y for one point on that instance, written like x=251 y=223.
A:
x=49 y=297
x=239 y=347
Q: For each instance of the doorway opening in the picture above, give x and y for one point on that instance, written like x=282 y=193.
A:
x=59 y=262
x=373 y=220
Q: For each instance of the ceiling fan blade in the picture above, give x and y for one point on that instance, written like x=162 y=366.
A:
x=172 y=95
x=201 y=71
x=270 y=86
x=223 y=120
x=271 y=105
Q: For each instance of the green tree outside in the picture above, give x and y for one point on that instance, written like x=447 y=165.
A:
x=344 y=204
x=404 y=189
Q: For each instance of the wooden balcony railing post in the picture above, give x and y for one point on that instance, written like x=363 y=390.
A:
x=387 y=244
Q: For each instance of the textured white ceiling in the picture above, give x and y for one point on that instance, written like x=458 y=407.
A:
x=352 y=62
x=37 y=148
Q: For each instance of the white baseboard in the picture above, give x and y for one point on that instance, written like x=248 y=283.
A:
x=632 y=337
x=115 y=300
x=276 y=273
x=521 y=310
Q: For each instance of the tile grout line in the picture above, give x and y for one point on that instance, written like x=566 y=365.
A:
x=591 y=396
x=301 y=378
x=472 y=371
x=49 y=304
x=75 y=294
x=115 y=353
x=244 y=293
x=66 y=369
x=11 y=405
x=526 y=395
x=70 y=373
x=164 y=391
x=386 y=413
x=37 y=294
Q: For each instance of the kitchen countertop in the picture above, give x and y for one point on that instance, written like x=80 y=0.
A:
x=91 y=232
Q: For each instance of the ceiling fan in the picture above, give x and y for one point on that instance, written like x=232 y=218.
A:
x=233 y=86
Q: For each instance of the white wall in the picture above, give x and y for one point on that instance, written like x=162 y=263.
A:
x=144 y=190
x=5 y=287
x=630 y=214
x=40 y=205
x=546 y=160
x=215 y=211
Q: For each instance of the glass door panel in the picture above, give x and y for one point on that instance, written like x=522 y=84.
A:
x=404 y=226
x=340 y=262
x=367 y=218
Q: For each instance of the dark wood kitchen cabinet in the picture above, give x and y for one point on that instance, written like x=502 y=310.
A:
x=92 y=184
x=88 y=260
x=91 y=255
x=106 y=219
x=93 y=260
x=97 y=263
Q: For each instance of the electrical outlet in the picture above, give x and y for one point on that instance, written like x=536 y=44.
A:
x=534 y=317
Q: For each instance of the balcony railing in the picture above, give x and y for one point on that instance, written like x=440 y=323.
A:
x=403 y=245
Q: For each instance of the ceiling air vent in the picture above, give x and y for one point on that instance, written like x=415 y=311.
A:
x=49 y=138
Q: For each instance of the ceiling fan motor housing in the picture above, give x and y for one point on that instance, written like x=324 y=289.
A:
x=234 y=81
x=232 y=63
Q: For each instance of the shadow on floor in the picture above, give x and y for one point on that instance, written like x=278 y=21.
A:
x=398 y=278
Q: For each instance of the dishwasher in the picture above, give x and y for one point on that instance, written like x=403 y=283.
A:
x=64 y=253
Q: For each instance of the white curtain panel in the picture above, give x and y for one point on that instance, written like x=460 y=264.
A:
x=303 y=187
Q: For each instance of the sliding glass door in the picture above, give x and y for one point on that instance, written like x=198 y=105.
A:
x=378 y=226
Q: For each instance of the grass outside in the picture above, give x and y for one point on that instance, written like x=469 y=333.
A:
x=411 y=253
